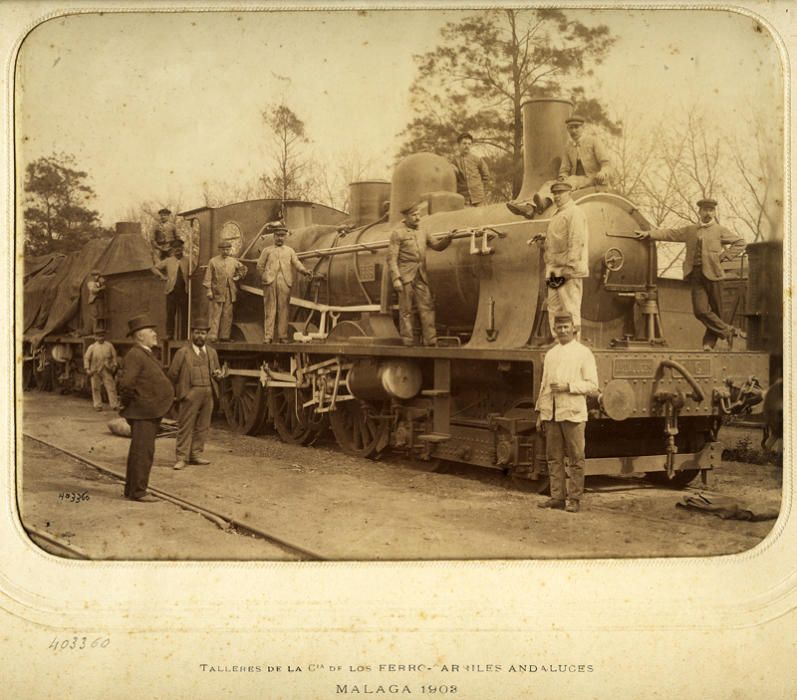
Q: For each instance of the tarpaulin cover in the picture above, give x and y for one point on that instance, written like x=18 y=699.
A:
x=52 y=301
x=35 y=264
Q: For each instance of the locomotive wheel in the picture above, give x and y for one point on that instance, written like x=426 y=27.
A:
x=44 y=377
x=243 y=403
x=357 y=430
x=28 y=375
x=294 y=424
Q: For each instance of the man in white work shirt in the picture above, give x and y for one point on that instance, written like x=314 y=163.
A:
x=569 y=373
x=100 y=363
x=566 y=256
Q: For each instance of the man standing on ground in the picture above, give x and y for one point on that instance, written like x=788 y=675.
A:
x=585 y=163
x=472 y=173
x=705 y=253
x=101 y=364
x=406 y=257
x=147 y=396
x=220 y=280
x=194 y=370
x=569 y=373
x=566 y=256
x=275 y=265
x=175 y=272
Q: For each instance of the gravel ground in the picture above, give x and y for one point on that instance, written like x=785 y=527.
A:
x=353 y=509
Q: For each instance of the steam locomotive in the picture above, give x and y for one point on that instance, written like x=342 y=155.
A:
x=470 y=399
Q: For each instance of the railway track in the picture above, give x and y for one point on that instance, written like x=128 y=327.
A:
x=218 y=518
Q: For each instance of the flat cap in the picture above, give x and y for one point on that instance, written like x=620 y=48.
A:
x=177 y=243
x=575 y=119
x=225 y=244
x=164 y=211
x=411 y=207
x=707 y=203
x=561 y=187
x=563 y=316
x=464 y=135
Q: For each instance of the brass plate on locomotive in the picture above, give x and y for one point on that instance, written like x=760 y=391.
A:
x=697 y=367
x=634 y=367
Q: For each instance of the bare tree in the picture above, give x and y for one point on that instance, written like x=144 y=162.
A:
x=335 y=177
x=290 y=175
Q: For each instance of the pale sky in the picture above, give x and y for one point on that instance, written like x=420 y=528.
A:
x=153 y=104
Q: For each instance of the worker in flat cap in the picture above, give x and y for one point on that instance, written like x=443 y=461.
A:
x=569 y=374
x=566 y=256
x=585 y=163
x=406 y=259
x=147 y=396
x=195 y=372
x=221 y=276
x=176 y=274
x=96 y=299
x=276 y=265
x=164 y=232
x=708 y=245
x=100 y=364
x=473 y=175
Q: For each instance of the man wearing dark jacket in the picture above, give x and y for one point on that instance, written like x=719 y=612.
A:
x=194 y=371
x=147 y=396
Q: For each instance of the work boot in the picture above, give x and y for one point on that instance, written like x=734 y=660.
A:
x=198 y=460
x=554 y=503
x=522 y=209
x=572 y=506
x=179 y=464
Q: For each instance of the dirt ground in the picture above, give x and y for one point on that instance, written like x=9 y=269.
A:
x=347 y=508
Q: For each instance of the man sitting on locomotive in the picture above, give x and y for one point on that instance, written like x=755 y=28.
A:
x=566 y=256
x=569 y=374
x=585 y=163
x=220 y=280
x=275 y=265
x=406 y=258
x=702 y=266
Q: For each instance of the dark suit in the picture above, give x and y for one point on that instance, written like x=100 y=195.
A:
x=195 y=386
x=147 y=396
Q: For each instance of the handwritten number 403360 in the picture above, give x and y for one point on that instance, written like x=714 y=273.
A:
x=79 y=643
x=73 y=497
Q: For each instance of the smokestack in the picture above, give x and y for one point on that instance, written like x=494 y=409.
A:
x=127 y=227
x=366 y=200
x=544 y=141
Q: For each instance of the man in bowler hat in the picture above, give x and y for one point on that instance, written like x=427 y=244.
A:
x=147 y=396
x=194 y=370
x=708 y=245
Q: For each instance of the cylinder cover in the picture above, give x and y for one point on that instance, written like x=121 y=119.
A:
x=371 y=380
